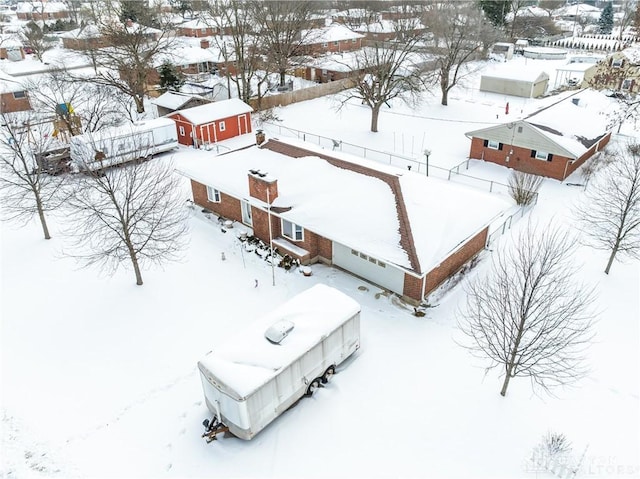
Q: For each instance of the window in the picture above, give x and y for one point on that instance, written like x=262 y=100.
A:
x=246 y=213
x=519 y=129
x=335 y=44
x=626 y=84
x=292 y=231
x=325 y=45
x=542 y=155
x=181 y=131
x=19 y=94
x=203 y=30
x=222 y=126
x=213 y=195
x=353 y=40
x=494 y=145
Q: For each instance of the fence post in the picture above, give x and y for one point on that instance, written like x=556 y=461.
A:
x=491 y=187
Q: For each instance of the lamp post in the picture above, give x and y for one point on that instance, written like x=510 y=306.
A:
x=427 y=152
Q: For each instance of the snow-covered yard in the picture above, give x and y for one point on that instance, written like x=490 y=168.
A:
x=99 y=376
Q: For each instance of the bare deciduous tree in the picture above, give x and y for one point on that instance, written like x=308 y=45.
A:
x=283 y=26
x=132 y=50
x=134 y=213
x=523 y=187
x=460 y=31
x=33 y=34
x=529 y=316
x=610 y=214
x=240 y=47
x=384 y=71
x=26 y=190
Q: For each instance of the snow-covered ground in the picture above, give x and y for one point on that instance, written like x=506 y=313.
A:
x=99 y=376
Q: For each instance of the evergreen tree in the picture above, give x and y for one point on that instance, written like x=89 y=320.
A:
x=496 y=10
x=605 y=23
x=170 y=78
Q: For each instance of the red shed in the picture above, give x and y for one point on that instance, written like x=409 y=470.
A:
x=214 y=122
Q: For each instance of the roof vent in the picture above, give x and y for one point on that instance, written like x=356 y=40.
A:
x=278 y=331
x=576 y=101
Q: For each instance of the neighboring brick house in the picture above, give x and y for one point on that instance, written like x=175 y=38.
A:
x=398 y=229
x=552 y=142
x=13 y=95
x=620 y=72
x=204 y=26
x=334 y=38
x=87 y=37
x=330 y=67
x=212 y=123
x=38 y=11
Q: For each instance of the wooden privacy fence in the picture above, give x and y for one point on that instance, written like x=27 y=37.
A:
x=295 y=96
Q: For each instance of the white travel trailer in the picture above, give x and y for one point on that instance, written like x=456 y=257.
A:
x=121 y=144
x=256 y=376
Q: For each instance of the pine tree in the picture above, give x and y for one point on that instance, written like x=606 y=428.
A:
x=605 y=23
x=170 y=78
x=496 y=10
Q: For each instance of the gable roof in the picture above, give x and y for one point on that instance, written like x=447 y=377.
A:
x=401 y=217
x=173 y=100
x=569 y=127
x=335 y=32
x=200 y=115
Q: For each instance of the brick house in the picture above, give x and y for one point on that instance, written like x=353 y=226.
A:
x=211 y=123
x=13 y=95
x=551 y=142
x=334 y=38
x=620 y=72
x=39 y=11
x=400 y=230
x=87 y=37
x=330 y=67
x=204 y=26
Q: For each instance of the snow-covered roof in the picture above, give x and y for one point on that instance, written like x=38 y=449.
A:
x=119 y=130
x=578 y=118
x=573 y=123
x=355 y=209
x=200 y=115
x=10 y=41
x=248 y=360
x=85 y=32
x=528 y=11
x=580 y=9
x=9 y=84
x=49 y=7
x=183 y=54
x=203 y=21
x=633 y=53
x=335 y=32
x=173 y=100
x=516 y=72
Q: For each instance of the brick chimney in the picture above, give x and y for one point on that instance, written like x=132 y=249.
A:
x=260 y=137
x=129 y=23
x=260 y=183
x=204 y=43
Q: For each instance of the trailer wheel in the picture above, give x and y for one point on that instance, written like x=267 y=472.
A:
x=328 y=374
x=313 y=386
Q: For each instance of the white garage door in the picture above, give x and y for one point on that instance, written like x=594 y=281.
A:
x=368 y=268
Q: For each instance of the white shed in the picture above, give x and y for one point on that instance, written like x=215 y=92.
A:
x=521 y=82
